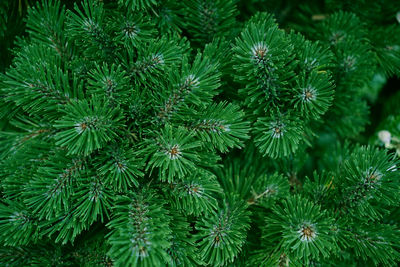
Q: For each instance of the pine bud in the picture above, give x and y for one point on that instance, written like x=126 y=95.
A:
x=385 y=137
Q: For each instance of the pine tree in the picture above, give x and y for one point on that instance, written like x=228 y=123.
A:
x=200 y=133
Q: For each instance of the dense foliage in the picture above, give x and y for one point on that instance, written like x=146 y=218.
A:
x=199 y=133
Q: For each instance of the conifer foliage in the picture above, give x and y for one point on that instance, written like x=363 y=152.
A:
x=200 y=133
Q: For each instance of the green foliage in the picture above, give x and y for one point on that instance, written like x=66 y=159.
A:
x=174 y=153
x=136 y=5
x=314 y=95
x=199 y=133
x=87 y=125
x=140 y=230
x=302 y=230
x=208 y=19
x=197 y=194
x=12 y=15
x=183 y=249
x=50 y=189
x=88 y=21
x=17 y=225
x=278 y=89
x=4 y=17
x=37 y=82
x=268 y=189
x=93 y=199
x=222 y=235
x=45 y=24
x=221 y=125
x=119 y=167
x=369 y=176
x=109 y=82
x=277 y=136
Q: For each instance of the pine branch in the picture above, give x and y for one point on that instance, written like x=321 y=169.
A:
x=139 y=230
x=221 y=236
x=88 y=125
